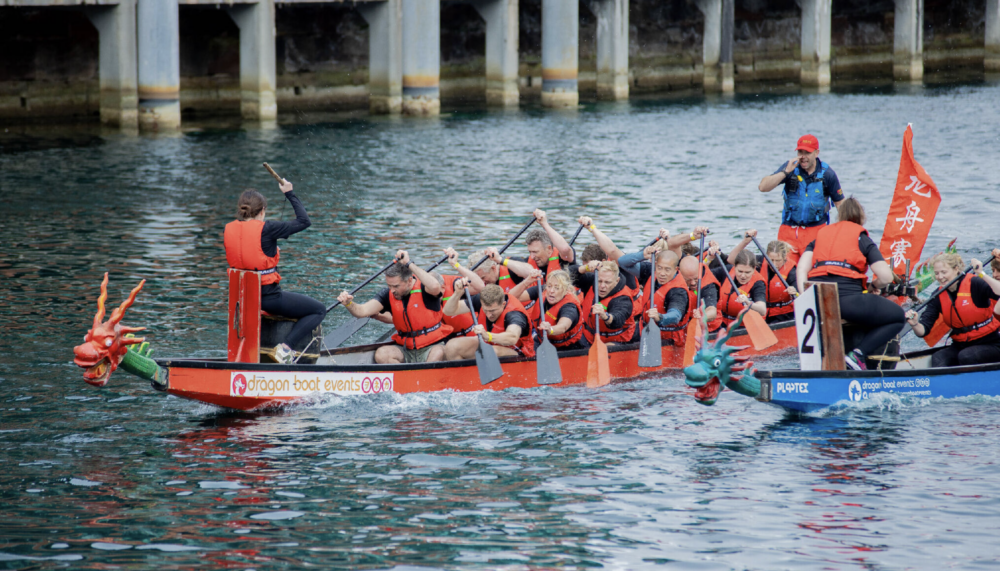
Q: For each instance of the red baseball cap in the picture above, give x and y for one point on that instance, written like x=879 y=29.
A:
x=807 y=143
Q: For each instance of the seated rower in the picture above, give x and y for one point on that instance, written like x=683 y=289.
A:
x=251 y=243
x=778 y=298
x=842 y=254
x=503 y=323
x=413 y=298
x=966 y=307
x=752 y=289
x=462 y=324
x=611 y=303
x=497 y=269
x=563 y=313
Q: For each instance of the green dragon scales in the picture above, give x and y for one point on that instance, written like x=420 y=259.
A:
x=716 y=366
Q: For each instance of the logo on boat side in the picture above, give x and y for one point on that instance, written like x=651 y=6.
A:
x=280 y=384
x=854 y=390
x=801 y=388
x=239 y=385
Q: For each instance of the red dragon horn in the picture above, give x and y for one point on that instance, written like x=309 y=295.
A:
x=119 y=313
x=99 y=317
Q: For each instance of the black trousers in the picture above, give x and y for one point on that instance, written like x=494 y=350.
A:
x=881 y=318
x=985 y=350
x=307 y=310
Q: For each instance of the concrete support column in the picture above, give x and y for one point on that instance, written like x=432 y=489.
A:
x=421 y=57
x=159 y=43
x=258 y=77
x=992 y=59
x=117 y=62
x=726 y=68
x=908 y=41
x=612 y=48
x=502 y=31
x=560 y=52
x=385 y=55
x=816 y=20
x=717 y=47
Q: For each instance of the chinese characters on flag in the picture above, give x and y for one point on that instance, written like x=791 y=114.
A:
x=911 y=214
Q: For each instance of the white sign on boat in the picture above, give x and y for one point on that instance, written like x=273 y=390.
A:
x=807 y=319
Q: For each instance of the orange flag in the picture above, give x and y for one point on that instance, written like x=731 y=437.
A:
x=914 y=205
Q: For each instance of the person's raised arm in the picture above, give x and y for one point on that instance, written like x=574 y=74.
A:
x=430 y=283
x=675 y=243
x=771 y=181
x=522 y=269
x=606 y=244
x=455 y=305
x=476 y=283
x=558 y=242
x=977 y=270
x=748 y=236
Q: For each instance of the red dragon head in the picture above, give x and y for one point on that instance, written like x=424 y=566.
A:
x=105 y=344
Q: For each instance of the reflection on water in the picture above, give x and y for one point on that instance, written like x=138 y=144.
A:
x=630 y=477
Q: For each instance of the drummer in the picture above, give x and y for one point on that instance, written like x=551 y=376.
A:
x=967 y=307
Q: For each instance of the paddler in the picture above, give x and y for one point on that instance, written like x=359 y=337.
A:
x=966 y=307
x=413 y=298
x=461 y=324
x=563 y=317
x=751 y=287
x=251 y=243
x=611 y=303
x=497 y=269
x=842 y=254
x=503 y=323
x=779 y=299
x=547 y=249
x=810 y=187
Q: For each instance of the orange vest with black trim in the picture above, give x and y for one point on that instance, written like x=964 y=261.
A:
x=623 y=332
x=708 y=278
x=461 y=324
x=968 y=322
x=553 y=264
x=779 y=302
x=675 y=332
x=243 y=252
x=416 y=326
x=729 y=306
x=836 y=252
x=574 y=333
x=526 y=344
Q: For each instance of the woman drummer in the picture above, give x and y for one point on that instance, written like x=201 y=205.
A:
x=252 y=244
x=966 y=307
x=842 y=254
x=563 y=317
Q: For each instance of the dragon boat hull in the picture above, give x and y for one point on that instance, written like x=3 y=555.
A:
x=351 y=371
x=808 y=391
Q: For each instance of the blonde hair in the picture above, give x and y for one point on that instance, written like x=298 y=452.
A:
x=777 y=247
x=608 y=266
x=954 y=261
x=560 y=279
x=474 y=258
x=491 y=295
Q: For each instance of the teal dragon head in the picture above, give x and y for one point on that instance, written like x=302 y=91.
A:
x=716 y=366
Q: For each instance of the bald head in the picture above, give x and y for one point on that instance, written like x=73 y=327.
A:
x=666 y=259
x=689 y=267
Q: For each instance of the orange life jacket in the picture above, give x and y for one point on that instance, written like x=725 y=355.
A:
x=243 y=251
x=553 y=264
x=968 y=322
x=708 y=278
x=836 y=252
x=637 y=297
x=779 y=302
x=729 y=306
x=624 y=332
x=503 y=279
x=676 y=332
x=461 y=324
x=416 y=326
x=525 y=345
x=574 y=333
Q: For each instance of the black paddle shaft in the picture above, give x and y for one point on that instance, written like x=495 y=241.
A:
x=368 y=281
x=507 y=245
x=541 y=305
x=949 y=284
x=702 y=270
x=578 y=230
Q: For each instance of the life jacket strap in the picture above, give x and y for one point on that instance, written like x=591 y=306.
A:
x=970 y=328
x=838 y=264
x=419 y=332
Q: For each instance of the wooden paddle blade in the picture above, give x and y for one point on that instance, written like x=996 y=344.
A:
x=760 y=333
x=691 y=342
x=650 y=347
x=337 y=337
x=547 y=361
x=488 y=363
x=598 y=369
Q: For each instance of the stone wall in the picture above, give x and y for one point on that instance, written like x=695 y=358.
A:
x=48 y=57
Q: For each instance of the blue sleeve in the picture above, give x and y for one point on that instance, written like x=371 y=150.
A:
x=630 y=262
x=672 y=317
x=781 y=168
x=831 y=185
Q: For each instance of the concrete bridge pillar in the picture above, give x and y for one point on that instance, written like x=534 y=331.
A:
x=717 y=59
x=992 y=59
x=502 y=31
x=421 y=57
x=816 y=19
x=560 y=52
x=612 y=48
x=385 y=55
x=258 y=77
x=159 y=45
x=117 y=62
x=908 y=41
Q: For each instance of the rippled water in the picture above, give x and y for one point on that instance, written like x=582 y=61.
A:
x=632 y=476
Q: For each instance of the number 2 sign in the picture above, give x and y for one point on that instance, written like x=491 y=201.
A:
x=808 y=330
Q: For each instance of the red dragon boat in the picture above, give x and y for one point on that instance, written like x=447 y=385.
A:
x=243 y=382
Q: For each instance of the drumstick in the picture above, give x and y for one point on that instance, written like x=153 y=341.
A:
x=274 y=174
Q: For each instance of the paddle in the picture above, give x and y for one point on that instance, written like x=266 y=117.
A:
x=760 y=333
x=907 y=328
x=546 y=358
x=341 y=334
x=281 y=181
x=650 y=346
x=771 y=264
x=507 y=245
x=486 y=358
x=598 y=368
x=578 y=230
x=694 y=325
